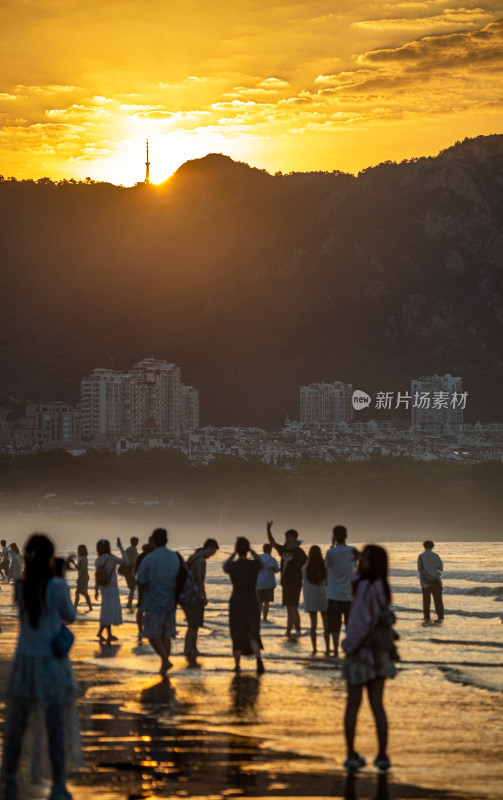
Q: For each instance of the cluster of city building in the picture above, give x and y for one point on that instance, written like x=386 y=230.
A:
x=149 y=407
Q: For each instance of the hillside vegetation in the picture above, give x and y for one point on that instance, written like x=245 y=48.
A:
x=255 y=284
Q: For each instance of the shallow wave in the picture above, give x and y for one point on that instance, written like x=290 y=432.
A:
x=468 y=643
x=453 y=575
x=486 y=591
x=480 y=677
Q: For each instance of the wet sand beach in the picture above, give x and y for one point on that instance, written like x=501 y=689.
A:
x=209 y=733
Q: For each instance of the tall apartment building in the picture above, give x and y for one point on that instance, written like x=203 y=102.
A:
x=326 y=402
x=119 y=404
x=435 y=400
x=190 y=408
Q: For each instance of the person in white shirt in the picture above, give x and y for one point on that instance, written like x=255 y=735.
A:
x=157 y=576
x=340 y=561
x=266 y=581
x=430 y=568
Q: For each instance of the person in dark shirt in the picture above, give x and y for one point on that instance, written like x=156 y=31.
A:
x=244 y=605
x=293 y=559
x=194 y=613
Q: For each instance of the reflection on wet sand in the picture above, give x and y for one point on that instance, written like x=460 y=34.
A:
x=244 y=690
x=351 y=788
x=146 y=739
x=107 y=650
x=160 y=694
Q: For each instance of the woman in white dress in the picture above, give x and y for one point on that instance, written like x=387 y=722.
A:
x=314 y=583
x=106 y=582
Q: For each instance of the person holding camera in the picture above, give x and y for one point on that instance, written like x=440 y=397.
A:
x=244 y=605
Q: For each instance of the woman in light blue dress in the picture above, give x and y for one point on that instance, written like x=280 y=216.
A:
x=41 y=684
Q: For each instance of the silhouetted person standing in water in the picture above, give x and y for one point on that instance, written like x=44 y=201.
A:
x=145 y=550
x=157 y=575
x=82 y=577
x=244 y=606
x=314 y=574
x=129 y=574
x=15 y=566
x=293 y=559
x=340 y=561
x=266 y=581
x=106 y=583
x=430 y=568
x=366 y=663
x=194 y=612
x=4 y=560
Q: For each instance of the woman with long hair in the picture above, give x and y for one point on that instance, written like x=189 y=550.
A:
x=40 y=681
x=106 y=582
x=366 y=663
x=82 y=587
x=314 y=582
x=244 y=605
x=15 y=567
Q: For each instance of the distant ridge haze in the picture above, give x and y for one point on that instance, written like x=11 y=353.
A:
x=256 y=284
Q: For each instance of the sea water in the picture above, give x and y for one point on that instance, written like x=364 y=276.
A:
x=444 y=707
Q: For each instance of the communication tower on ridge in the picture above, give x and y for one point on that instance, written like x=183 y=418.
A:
x=147 y=180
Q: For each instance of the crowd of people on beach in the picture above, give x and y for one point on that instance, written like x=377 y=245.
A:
x=346 y=586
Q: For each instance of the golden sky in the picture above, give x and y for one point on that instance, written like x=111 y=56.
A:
x=298 y=86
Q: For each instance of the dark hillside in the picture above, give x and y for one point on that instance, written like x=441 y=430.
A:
x=255 y=284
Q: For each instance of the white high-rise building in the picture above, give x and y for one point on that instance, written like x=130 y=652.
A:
x=190 y=408
x=118 y=404
x=437 y=399
x=160 y=389
x=326 y=402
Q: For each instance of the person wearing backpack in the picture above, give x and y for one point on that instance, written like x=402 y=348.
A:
x=157 y=577
x=105 y=577
x=369 y=656
x=194 y=612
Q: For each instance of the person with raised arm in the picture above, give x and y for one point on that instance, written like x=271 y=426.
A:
x=293 y=559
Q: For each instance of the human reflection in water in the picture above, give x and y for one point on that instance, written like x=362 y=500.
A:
x=107 y=650
x=161 y=693
x=244 y=690
x=381 y=787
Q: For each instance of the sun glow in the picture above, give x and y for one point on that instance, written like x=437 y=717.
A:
x=127 y=165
